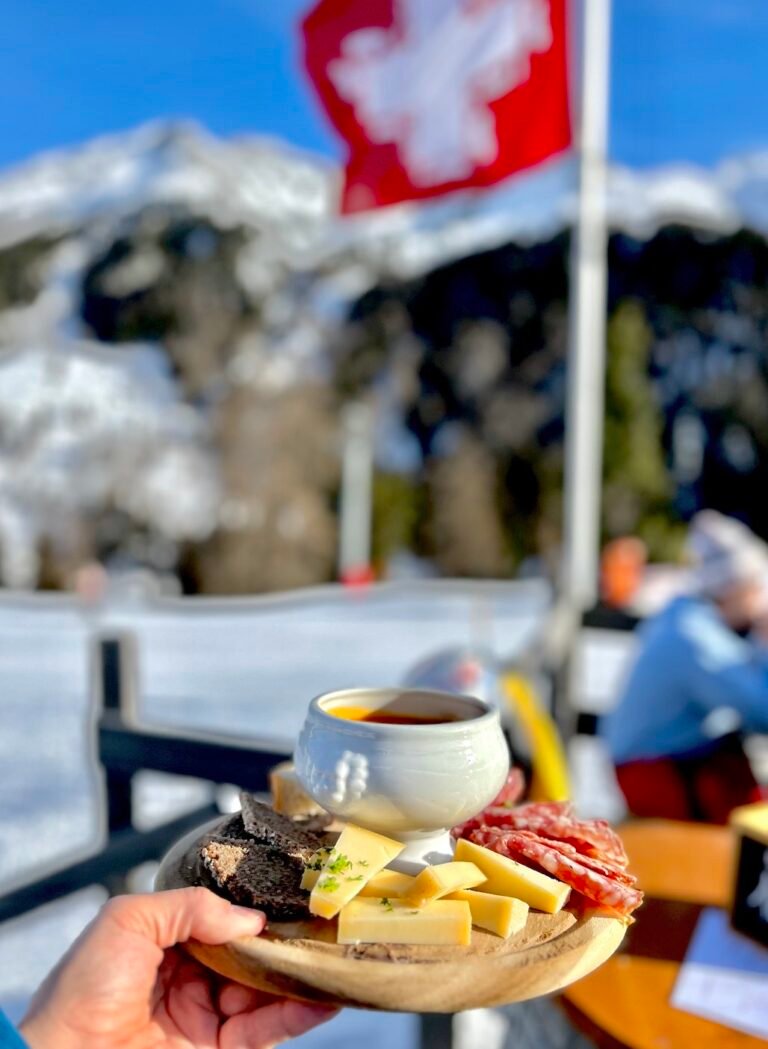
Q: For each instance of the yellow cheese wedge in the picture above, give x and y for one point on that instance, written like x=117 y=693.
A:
x=388 y=883
x=508 y=878
x=371 y=920
x=385 y=883
x=356 y=857
x=437 y=881
x=502 y=915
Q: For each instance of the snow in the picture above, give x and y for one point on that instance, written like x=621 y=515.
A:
x=248 y=180
x=291 y=196
x=83 y=427
x=80 y=424
x=245 y=667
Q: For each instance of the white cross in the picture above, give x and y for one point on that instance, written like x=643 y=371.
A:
x=425 y=83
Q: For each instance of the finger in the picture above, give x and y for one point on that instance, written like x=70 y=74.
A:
x=234 y=999
x=274 y=1024
x=168 y=918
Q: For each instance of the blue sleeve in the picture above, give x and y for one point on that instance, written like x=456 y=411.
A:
x=726 y=671
x=9 y=1036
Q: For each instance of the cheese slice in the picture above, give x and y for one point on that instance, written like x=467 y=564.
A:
x=388 y=883
x=437 y=881
x=508 y=878
x=356 y=857
x=385 y=883
x=372 y=920
x=502 y=915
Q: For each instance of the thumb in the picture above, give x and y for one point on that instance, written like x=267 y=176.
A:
x=168 y=918
x=273 y=1024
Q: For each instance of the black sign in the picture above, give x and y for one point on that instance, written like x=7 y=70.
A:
x=750 y=904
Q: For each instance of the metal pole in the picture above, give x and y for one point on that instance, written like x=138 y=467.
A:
x=356 y=490
x=586 y=364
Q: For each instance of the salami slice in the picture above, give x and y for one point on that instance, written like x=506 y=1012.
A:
x=509 y=794
x=595 y=863
x=513 y=789
x=554 y=809
x=589 y=837
x=606 y=890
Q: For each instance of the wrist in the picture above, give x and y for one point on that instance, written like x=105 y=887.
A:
x=39 y=1035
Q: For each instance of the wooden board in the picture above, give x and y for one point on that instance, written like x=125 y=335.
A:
x=302 y=960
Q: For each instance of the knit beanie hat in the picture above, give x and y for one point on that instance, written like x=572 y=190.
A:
x=724 y=553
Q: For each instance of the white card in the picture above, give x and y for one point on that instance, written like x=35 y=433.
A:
x=724 y=977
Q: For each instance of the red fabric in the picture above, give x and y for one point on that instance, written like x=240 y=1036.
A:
x=531 y=122
x=698 y=787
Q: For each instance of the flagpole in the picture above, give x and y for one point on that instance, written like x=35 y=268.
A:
x=587 y=331
x=587 y=322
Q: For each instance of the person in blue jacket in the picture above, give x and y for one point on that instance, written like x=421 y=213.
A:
x=699 y=683
x=126 y=983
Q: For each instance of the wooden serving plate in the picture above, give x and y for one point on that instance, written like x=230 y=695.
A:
x=302 y=959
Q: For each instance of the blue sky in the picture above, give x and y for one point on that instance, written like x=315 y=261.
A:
x=690 y=77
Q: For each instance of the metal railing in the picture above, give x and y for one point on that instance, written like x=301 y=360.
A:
x=124 y=748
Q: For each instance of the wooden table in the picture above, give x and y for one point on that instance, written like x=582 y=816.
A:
x=681 y=867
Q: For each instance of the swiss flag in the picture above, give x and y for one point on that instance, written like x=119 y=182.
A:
x=438 y=95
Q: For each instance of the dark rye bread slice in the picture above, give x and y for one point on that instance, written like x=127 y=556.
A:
x=257 y=876
x=268 y=827
x=233 y=826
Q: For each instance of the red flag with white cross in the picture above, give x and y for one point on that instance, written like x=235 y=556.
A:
x=432 y=96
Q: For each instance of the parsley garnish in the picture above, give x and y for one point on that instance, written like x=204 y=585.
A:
x=328 y=884
x=317 y=859
x=339 y=865
x=362 y=863
x=386 y=903
x=358 y=878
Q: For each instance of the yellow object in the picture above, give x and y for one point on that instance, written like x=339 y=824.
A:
x=385 y=883
x=388 y=883
x=372 y=920
x=434 y=882
x=550 y=766
x=751 y=820
x=288 y=795
x=508 y=878
x=502 y=915
x=350 y=712
x=355 y=858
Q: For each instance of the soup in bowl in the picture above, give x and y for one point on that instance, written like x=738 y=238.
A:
x=408 y=763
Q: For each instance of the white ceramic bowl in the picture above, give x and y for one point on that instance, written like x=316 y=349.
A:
x=410 y=782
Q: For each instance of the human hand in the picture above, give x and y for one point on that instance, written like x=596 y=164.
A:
x=124 y=983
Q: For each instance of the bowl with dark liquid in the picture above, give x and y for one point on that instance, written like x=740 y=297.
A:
x=408 y=763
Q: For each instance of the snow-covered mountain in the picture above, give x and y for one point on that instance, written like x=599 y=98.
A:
x=291 y=196
x=90 y=222
x=243 y=180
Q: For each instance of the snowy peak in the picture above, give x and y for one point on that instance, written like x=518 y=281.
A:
x=291 y=197
x=248 y=181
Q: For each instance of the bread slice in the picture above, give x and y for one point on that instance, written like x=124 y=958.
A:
x=257 y=876
x=288 y=795
x=268 y=827
x=233 y=827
